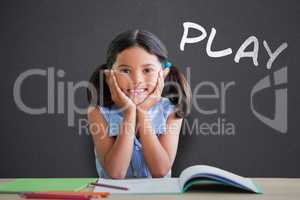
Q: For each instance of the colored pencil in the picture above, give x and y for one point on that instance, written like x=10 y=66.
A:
x=109 y=186
x=93 y=194
x=46 y=195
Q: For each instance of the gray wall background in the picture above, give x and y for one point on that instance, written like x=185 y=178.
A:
x=73 y=36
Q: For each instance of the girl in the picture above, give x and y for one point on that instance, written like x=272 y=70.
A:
x=136 y=126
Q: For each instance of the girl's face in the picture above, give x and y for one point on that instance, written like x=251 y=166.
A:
x=137 y=73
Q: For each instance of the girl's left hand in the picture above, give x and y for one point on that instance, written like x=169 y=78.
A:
x=155 y=96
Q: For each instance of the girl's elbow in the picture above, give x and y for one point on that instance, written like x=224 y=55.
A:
x=161 y=172
x=118 y=174
x=115 y=172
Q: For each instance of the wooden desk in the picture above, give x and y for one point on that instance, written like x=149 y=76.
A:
x=274 y=189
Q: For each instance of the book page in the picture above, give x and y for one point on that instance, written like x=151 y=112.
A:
x=214 y=173
x=141 y=186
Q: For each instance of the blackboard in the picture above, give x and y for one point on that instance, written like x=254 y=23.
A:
x=248 y=119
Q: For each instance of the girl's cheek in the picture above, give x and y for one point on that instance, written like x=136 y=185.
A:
x=123 y=82
x=151 y=86
x=152 y=80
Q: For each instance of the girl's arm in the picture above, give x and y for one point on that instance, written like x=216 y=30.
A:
x=115 y=155
x=159 y=152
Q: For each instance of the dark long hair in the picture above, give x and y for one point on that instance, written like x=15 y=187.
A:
x=176 y=87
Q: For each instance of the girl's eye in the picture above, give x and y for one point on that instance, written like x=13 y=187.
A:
x=125 y=71
x=148 y=70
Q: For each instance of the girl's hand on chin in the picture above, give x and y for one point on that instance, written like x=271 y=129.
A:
x=154 y=97
x=117 y=95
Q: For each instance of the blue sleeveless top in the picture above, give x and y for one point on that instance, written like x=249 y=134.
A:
x=159 y=114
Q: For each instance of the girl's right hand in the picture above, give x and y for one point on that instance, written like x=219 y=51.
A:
x=117 y=95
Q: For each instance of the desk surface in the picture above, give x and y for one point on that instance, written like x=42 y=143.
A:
x=274 y=188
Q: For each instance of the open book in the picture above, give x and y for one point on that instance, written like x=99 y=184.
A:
x=198 y=175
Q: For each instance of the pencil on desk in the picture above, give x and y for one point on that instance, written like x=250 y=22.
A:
x=45 y=195
x=109 y=186
x=93 y=194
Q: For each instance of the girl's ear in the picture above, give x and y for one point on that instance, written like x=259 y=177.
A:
x=166 y=72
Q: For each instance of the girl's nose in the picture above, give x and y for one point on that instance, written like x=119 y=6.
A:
x=137 y=78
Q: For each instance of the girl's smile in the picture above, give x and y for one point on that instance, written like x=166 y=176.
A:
x=137 y=73
x=138 y=91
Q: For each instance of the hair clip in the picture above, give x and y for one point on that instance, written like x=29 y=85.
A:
x=167 y=64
